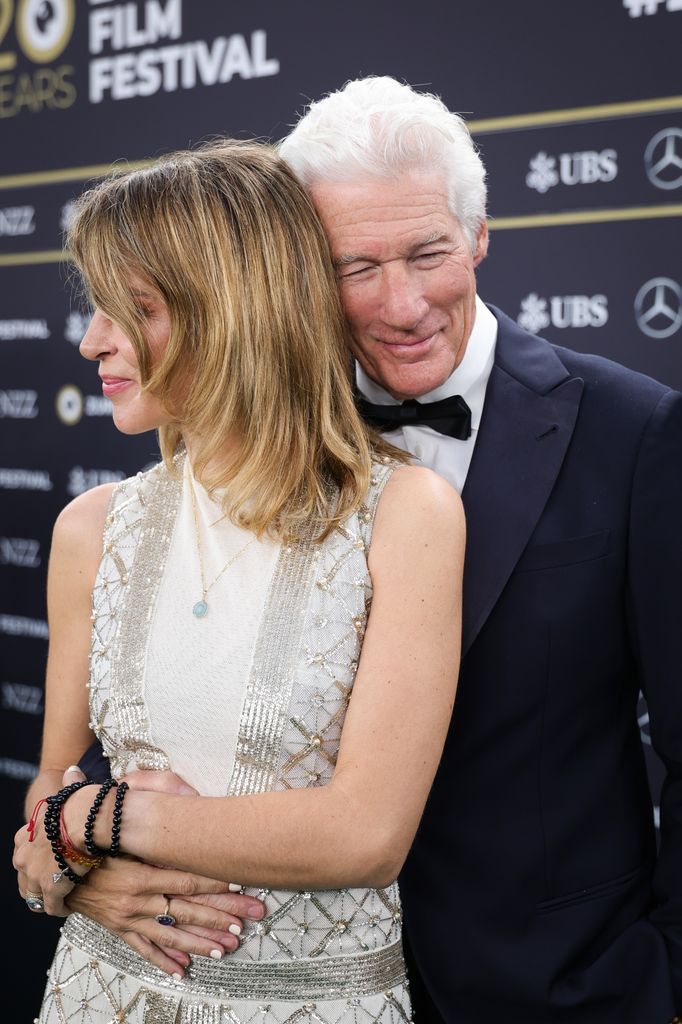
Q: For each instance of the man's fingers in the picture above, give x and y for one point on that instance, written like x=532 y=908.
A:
x=72 y=774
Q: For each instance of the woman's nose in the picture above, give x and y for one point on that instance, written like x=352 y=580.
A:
x=98 y=339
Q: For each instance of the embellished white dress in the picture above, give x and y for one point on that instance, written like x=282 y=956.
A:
x=247 y=699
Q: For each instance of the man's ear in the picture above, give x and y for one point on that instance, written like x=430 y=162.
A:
x=481 y=250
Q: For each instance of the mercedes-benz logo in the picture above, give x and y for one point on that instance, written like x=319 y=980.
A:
x=663 y=159
x=658 y=307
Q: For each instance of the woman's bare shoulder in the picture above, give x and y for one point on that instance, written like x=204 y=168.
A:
x=80 y=525
x=421 y=492
x=417 y=505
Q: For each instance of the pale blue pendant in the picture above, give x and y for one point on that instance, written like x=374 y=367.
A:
x=200 y=609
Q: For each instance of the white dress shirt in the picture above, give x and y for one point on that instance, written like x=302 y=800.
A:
x=448 y=456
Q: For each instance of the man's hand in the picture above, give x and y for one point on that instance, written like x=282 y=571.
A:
x=125 y=896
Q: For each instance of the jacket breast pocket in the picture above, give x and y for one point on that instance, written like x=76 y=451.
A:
x=612 y=887
x=564 y=552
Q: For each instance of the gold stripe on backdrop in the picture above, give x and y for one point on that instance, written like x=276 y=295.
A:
x=68 y=174
x=547 y=220
x=22 y=259
x=574 y=115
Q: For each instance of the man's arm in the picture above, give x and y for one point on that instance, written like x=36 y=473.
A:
x=93 y=764
x=655 y=601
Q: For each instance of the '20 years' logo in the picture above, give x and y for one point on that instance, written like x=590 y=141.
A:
x=43 y=29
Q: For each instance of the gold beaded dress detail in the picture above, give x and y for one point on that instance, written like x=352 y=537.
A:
x=318 y=957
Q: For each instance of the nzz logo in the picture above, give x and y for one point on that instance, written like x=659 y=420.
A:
x=585 y=168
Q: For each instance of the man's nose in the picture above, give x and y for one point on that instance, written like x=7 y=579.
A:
x=98 y=339
x=403 y=304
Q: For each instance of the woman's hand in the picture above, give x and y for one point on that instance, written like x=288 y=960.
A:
x=34 y=861
x=125 y=896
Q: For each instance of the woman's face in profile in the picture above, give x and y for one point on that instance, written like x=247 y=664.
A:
x=134 y=411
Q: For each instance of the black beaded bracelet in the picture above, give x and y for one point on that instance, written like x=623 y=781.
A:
x=89 y=830
x=121 y=791
x=51 y=826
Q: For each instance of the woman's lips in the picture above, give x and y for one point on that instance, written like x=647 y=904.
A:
x=112 y=385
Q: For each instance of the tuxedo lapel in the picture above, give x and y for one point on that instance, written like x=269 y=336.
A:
x=530 y=410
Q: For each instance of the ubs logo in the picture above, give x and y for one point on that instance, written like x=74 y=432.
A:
x=658 y=307
x=663 y=159
x=75 y=327
x=584 y=168
x=562 y=311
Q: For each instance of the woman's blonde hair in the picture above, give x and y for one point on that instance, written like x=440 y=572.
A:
x=257 y=352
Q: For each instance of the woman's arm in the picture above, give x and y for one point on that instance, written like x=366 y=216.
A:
x=358 y=829
x=124 y=897
x=74 y=557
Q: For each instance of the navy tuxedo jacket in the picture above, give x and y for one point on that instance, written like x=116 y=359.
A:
x=533 y=893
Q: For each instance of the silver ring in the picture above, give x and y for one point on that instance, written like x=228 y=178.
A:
x=166 y=917
x=34 y=902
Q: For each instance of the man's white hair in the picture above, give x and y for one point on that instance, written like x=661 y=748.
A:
x=375 y=127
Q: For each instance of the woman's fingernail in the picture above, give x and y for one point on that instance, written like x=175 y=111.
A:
x=234 y=887
x=74 y=768
x=217 y=954
x=178 y=977
x=235 y=929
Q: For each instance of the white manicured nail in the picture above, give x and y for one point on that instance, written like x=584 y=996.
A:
x=217 y=954
x=234 y=887
x=235 y=929
x=74 y=768
x=178 y=977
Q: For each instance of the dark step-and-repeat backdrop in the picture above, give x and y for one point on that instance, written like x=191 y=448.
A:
x=575 y=105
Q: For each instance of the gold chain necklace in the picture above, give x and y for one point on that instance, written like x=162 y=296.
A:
x=200 y=608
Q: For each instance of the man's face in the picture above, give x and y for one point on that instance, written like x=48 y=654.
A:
x=406 y=277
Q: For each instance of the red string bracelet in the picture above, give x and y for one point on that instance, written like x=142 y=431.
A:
x=33 y=820
x=70 y=851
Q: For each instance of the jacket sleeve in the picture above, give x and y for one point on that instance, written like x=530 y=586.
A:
x=93 y=763
x=655 y=602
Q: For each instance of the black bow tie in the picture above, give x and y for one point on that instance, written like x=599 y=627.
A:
x=450 y=416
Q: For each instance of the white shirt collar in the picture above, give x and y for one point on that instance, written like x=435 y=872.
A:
x=469 y=379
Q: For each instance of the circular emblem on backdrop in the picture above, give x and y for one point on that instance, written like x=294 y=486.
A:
x=663 y=159
x=44 y=27
x=69 y=404
x=658 y=307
